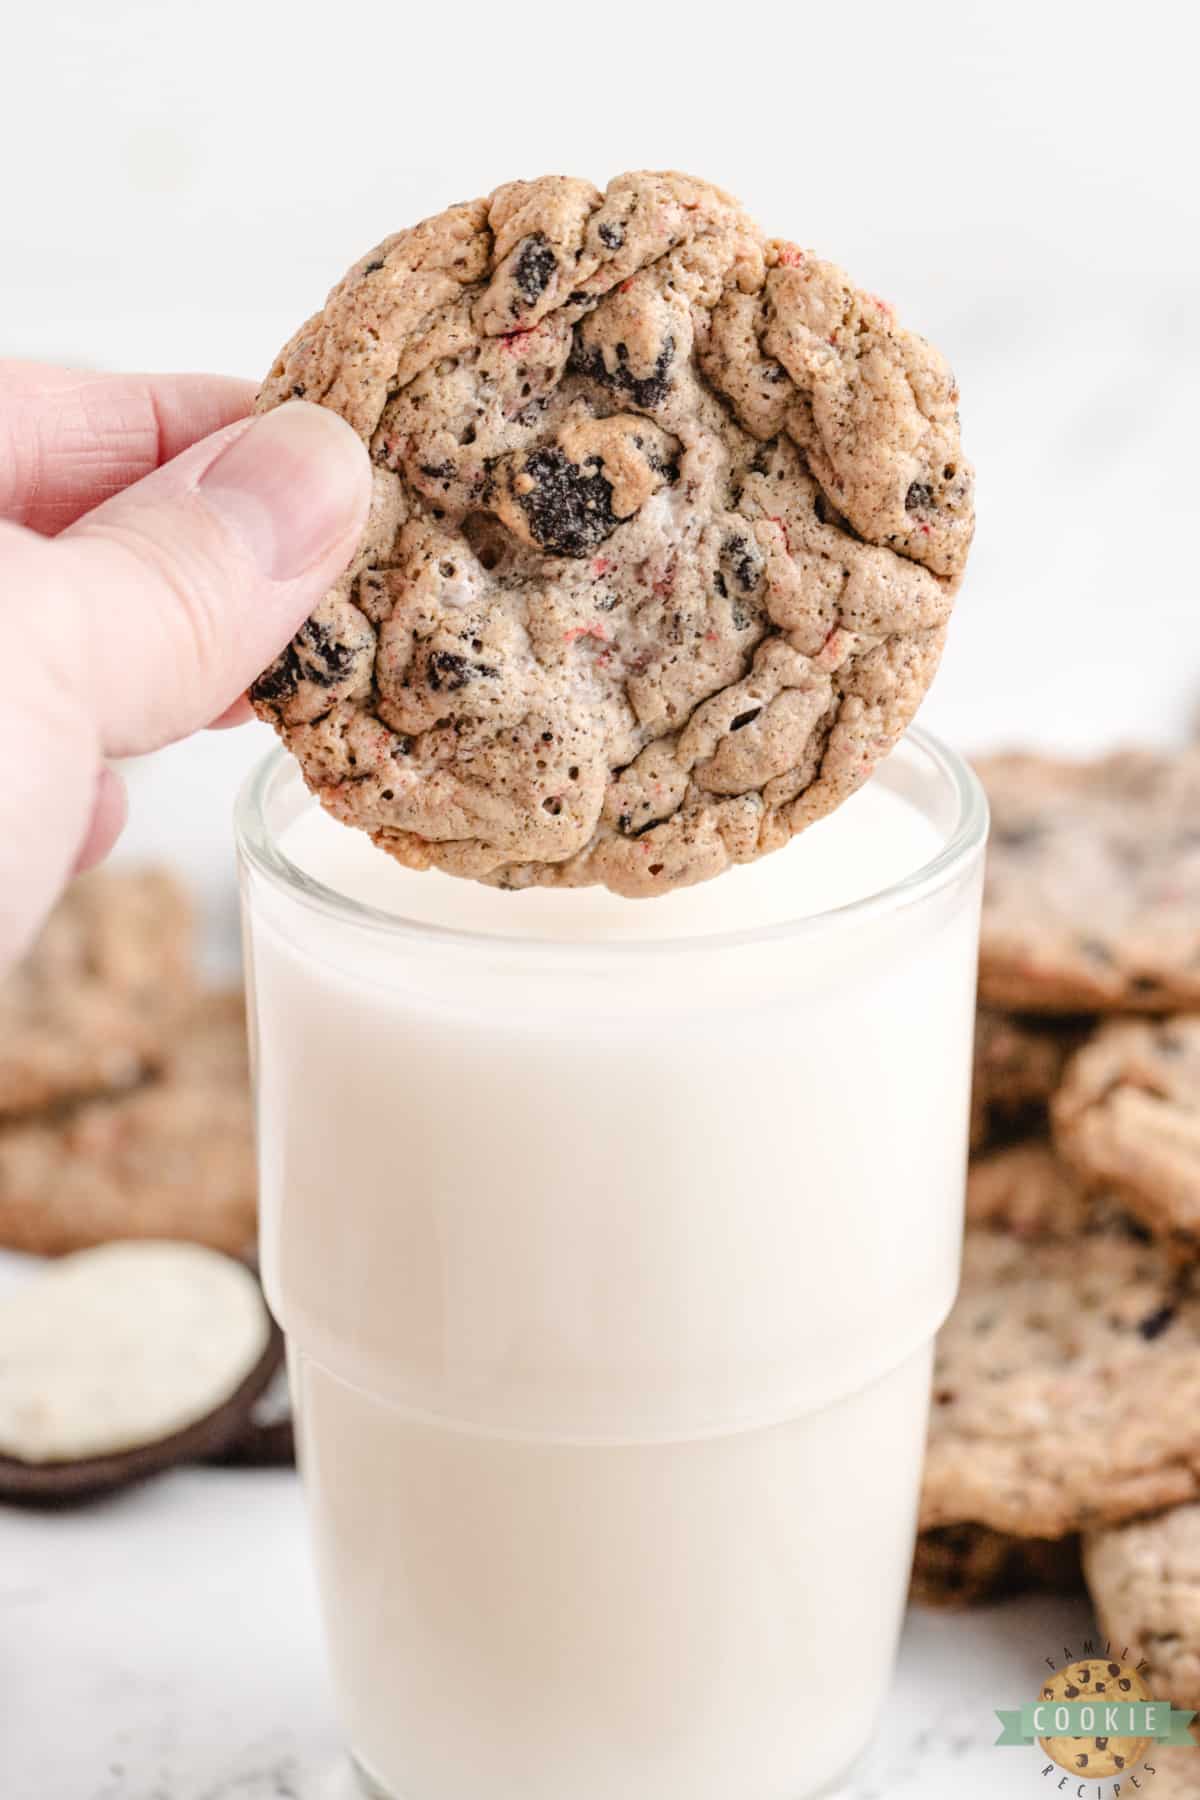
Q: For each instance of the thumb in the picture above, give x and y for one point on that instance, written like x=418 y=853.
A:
x=183 y=587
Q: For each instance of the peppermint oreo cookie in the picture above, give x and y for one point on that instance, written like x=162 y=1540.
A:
x=93 y=1007
x=1018 y=1065
x=1092 y=896
x=1127 y=1116
x=957 y=1566
x=170 y=1158
x=668 y=520
x=1144 y=1579
x=1066 y=1389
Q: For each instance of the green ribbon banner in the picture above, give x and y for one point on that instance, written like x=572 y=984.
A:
x=1092 y=1718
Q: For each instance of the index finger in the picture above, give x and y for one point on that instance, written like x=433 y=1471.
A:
x=70 y=439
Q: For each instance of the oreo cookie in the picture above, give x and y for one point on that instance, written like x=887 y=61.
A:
x=121 y=1361
x=267 y=1439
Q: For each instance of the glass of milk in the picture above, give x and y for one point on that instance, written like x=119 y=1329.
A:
x=610 y=1239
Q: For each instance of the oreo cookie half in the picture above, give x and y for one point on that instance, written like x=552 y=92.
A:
x=268 y=1438
x=123 y=1360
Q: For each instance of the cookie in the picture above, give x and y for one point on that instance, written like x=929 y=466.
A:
x=1144 y=1579
x=1092 y=896
x=267 y=1439
x=668 y=519
x=1066 y=1387
x=1103 y=1680
x=123 y=1360
x=92 y=1007
x=171 y=1159
x=1027 y=1190
x=1018 y=1064
x=968 y=1565
x=1128 y=1115
x=1176 y=1773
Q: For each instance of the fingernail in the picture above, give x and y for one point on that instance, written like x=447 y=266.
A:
x=290 y=487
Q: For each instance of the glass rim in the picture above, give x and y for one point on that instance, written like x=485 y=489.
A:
x=259 y=847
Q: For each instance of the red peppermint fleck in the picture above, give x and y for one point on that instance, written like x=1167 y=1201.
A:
x=511 y=338
x=625 y=285
x=790 y=256
x=666 y=581
x=710 y=637
x=925 y=530
x=600 y=565
x=776 y=520
x=585 y=631
x=831 y=340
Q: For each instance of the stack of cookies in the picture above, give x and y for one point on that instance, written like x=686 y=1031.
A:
x=126 y=1150
x=1066 y=1418
x=124 y=1090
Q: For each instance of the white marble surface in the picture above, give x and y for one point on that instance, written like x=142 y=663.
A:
x=183 y=188
x=165 y=1645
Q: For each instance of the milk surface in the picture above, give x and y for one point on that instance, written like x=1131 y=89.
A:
x=610 y=1238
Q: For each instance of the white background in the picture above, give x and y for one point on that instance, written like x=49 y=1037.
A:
x=180 y=186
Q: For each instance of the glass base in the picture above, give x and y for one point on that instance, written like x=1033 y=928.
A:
x=369 y=1786
x=373 y=1789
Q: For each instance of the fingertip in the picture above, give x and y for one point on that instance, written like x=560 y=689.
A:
x=294 y=489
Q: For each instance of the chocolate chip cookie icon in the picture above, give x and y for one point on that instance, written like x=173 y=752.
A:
x=1104 y=1681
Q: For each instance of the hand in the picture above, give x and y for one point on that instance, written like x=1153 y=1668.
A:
x=157 y=549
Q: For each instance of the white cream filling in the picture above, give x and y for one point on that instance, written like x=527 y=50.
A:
x=120 y=1346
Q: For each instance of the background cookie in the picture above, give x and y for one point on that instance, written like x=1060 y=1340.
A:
x=1144 y=1579
x=1128 y=1115
x=92 y=1007
x=1027 y=1189
x=1066 y=1387
x=967 y=1565
x=173 y=1158
x=1092 y=896
x=1018 y=1064
x=668 y=519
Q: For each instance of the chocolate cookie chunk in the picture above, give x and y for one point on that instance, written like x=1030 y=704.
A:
x=1092 y=899
x=1144 y=1579
x=93 y=1005
x=173 y=1158
x=1018 y=1065
x=967 y=1565
x=668 y=519
x=1128 y=1115
x=1067 y=1386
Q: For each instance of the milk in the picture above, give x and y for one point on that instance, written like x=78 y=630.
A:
x=610 y=1238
